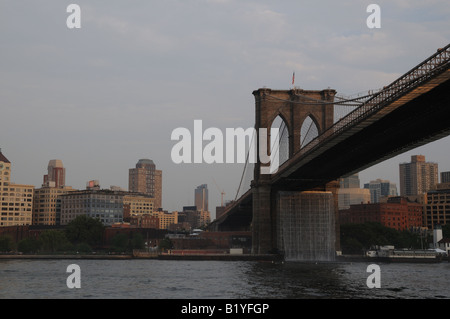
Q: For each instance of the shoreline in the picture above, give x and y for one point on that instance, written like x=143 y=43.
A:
x=411 y=260
x=221 y=257
x=78 y=256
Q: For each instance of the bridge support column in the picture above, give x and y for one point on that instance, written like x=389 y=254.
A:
x=263 y=222
x=268 y=203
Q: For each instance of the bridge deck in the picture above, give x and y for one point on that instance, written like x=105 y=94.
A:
x=410 y=112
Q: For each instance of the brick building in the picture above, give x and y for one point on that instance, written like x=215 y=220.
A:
x=144 y=221
x=397 y=213
x=215 y=240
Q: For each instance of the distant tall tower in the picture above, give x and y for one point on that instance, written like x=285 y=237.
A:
x=417 y=177
x=380 y=188
x=146 y=179
x=142 y=178
x=56 y=174
x=201 y=197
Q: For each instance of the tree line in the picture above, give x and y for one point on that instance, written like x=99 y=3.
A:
x=84 y=232
x=356 y=238
x=81 y=235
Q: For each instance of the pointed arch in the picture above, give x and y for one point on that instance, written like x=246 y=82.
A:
x=308 y=131
x=282 y=147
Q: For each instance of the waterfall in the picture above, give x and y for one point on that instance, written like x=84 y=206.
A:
x=306 y=226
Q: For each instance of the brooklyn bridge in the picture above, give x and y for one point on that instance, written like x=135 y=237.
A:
x=325 y=136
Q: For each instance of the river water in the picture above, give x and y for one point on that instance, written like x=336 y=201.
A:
x=164 y=279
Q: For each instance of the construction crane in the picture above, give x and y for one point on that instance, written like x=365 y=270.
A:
x=220 y=191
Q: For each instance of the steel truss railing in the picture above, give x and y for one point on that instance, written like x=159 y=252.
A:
x=371 y=103
x=431 y=67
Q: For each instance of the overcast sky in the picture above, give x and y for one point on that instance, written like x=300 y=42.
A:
x=101 y=97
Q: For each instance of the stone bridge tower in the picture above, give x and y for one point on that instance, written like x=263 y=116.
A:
x=295 y=107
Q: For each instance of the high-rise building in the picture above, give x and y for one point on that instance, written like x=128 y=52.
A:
x=352 y=196
x=417 y=177
x=146 y=179
x=46 y=200
x=56 y=176
x=201 y=197
x=350 y=192
x=351 y=181
x=202 y=214
x=445 y=177
x=16 y=200
x=142 y=178
x=380 y=188
x=47 y=204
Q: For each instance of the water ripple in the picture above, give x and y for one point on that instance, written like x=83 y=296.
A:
x=155 y=279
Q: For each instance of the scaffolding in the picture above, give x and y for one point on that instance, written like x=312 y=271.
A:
x=306 y=226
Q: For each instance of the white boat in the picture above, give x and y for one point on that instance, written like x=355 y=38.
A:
x=389 y=253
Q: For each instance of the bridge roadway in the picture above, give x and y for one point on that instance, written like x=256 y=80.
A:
x=417 y=115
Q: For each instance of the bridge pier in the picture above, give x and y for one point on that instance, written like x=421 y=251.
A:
x=263 y=219
x=306 y=226
x=280 y=216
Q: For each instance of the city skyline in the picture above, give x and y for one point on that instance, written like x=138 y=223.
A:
x=103 y=96
x=201 y=196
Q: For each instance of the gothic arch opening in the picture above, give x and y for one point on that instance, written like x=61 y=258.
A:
x=308 y=131
x=282 y=147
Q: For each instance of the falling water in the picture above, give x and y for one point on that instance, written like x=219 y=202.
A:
x=306 y=226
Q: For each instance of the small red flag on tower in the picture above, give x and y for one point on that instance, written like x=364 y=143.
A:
x=293 y=78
